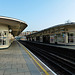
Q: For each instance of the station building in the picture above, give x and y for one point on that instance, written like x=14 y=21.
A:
x=9 y=27
x=59 y=34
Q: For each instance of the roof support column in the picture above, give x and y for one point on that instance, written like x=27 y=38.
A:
x=41 y=38
x=66 y=38
x=34 y=38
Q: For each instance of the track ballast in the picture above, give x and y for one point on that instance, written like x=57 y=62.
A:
x=61 y=60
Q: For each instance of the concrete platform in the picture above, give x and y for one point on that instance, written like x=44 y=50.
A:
x=64 y=46
x=58 y=45
x=15 y=61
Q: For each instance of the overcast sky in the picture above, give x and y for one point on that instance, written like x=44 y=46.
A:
x=39 y=14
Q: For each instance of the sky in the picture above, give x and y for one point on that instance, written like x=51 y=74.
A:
x=39 y=14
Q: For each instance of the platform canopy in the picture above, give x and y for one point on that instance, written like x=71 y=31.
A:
x=17 y=26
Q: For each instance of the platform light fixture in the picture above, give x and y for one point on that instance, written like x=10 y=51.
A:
x=10 y=30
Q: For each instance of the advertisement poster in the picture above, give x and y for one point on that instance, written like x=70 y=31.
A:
x=51 y=39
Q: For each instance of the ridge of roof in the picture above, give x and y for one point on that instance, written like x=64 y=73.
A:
x=10 y=18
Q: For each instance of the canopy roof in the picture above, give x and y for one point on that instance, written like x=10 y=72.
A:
x=17 y=26
x=71 y=24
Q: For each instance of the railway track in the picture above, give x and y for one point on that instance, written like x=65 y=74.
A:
x=63 y=60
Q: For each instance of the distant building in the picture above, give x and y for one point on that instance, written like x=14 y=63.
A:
x=22 y=36
x=27 y=33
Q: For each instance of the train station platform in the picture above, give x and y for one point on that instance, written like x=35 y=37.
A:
x=59 y=45
x=64 y=46
x=16 y=61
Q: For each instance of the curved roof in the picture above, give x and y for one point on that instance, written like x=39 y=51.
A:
x=60 y=25
x=17 y=26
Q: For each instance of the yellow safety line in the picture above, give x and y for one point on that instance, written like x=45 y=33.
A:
x=34 y=60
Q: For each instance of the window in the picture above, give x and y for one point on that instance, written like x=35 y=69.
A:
x=61 y=38
x=3 y=38
x=70 y=37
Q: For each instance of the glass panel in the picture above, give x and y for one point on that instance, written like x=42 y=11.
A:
x=3 y=38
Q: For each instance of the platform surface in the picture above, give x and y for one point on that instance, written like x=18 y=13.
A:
x=15 y=61
x=59 y=45
x=65 y=46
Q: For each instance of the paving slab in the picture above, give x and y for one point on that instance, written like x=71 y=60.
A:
x=15 y=61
